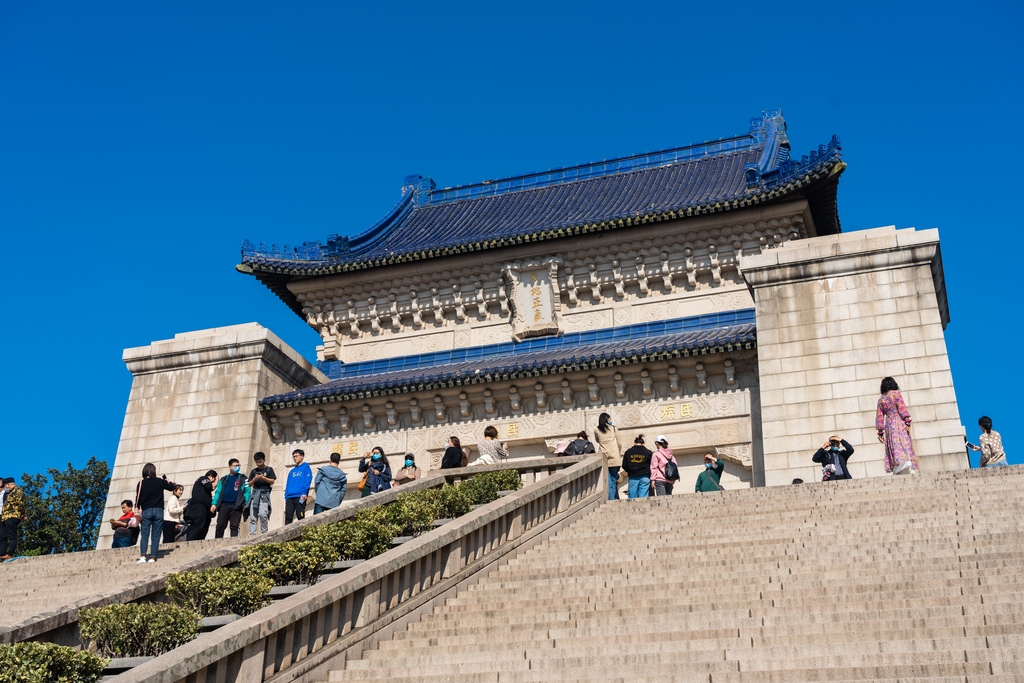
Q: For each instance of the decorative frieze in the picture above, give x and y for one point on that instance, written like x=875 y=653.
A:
x=353 y=316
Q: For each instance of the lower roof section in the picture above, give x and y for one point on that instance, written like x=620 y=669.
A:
x=696 y=335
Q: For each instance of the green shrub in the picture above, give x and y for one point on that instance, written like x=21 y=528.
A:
x=220 y=591
x=138 y=629
x=35 y=552
x=506 y=480
x=48 y=663
x=414 y=513
x=480 y=489
x=287 y=563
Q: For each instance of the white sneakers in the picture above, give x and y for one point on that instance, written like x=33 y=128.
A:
x=152 y=559
x=142 y=560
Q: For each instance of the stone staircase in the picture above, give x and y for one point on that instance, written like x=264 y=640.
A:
x=31 y=585
x=916 y=578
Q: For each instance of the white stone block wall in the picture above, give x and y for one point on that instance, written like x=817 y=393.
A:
x=194 y=405
x=835 y=315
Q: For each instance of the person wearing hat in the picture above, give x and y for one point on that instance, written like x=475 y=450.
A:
x=709 y=479
x=636 y=461
x=11 y=515
x=661 y=458
x=409 y=471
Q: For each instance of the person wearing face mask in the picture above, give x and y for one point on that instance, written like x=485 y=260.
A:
x=832 y=457
x=608 y=440
x=708 y=480
x=232 y=494
x=378 y=471
x=330 y=485
x=409 y=472
x=296 y=487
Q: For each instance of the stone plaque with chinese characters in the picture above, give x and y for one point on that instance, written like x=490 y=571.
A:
x=535 y=300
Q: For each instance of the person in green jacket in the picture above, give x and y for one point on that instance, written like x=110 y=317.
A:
x=712 y=474
x=230 y=498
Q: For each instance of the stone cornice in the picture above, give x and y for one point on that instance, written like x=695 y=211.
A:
x=228 y=345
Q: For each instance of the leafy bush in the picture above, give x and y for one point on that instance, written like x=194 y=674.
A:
x=220 y=591
x=138 y=629
x=480 y=489
x=48 y=663
x=506 y=480
x=286 y=563
x=35 y=552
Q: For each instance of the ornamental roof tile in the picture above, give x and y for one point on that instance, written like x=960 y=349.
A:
x=565 y=353
x=707 y=177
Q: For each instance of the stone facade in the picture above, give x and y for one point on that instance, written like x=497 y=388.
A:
x=194 y=405
x=835 y=315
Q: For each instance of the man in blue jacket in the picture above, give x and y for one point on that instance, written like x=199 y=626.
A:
x=297 y=487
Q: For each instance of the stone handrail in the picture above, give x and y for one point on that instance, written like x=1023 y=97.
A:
x=61 y=625
x=296 y=639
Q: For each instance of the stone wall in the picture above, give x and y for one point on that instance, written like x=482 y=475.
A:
x=835 y=315
x=194 y=404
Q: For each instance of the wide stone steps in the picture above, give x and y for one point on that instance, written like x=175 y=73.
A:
x=893 y=579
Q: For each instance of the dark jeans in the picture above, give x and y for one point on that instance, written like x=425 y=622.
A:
x=663 y=488
x=9 y=536
x=318 y=508
x=152 y=527
x=228 y=513
x=170 y=530
x=613 y=486
x=294 y=507
x=122 y=542
x=198 y=525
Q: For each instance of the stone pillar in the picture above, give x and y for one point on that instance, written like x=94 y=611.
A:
x=835 y=315
x=193 y=406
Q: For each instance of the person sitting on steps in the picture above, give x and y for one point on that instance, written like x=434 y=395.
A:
x=832 y=457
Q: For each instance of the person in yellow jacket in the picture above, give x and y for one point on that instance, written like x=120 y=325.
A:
x=12 y=514
x=608 y=441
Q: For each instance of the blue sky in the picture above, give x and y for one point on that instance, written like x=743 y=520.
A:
x=140 y=143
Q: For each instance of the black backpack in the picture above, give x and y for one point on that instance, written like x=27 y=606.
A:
x=671 y=471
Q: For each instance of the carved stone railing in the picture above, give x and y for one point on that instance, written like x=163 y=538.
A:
x=61 y=625
x=301 y=637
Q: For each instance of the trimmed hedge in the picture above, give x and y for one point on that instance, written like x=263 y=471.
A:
x=48 y=663
x=138 y=629
x=295 y=562
x=220 y=591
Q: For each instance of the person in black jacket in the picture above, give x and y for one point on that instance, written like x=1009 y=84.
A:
x=454 y=455
x=581 y=445
x=149 y=506
x=833 y=457
x=200 y=507
x=636 y=461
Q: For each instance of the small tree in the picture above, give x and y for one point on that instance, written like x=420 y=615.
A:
x=64 y=513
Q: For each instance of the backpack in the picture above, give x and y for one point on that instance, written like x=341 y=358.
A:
x=671 y=471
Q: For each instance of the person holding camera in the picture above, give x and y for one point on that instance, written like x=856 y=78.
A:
x=832 y=457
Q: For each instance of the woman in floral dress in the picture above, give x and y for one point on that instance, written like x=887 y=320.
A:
x=893 y=424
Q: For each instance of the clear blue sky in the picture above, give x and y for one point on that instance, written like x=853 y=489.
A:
x=140 y=143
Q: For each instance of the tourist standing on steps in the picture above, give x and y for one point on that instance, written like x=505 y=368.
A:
x=262 y=480
x=608 y=440
x=991 y=448
x=832 y=457
x=409 y=471
x=659 y=460
x=581 y=445
x=330 y=485
x=490 y=451
x=892 y=421
x=636 y=461
x=175 y=509
x=454 y=455
x=11 y=515
x=149 y=507
x=125 y=527
x=710 y=479
x=230 y=498
x=378 y=471
x=296 y=487
x=200 y=507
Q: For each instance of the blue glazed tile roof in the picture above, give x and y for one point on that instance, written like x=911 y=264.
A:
x=575 y=354
x=727 y=174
